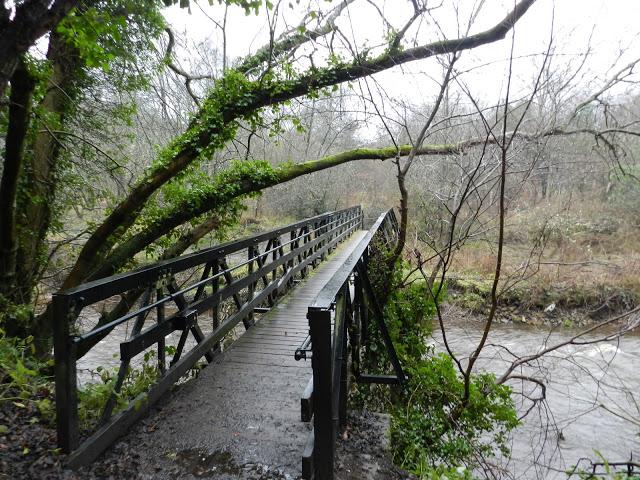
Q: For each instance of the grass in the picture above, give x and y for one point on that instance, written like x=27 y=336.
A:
x=556 y=259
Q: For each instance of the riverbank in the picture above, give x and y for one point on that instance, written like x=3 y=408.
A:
x=28 y=451
x=562 y=264
x=543 y=303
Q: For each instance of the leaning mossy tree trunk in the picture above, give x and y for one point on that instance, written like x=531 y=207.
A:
x=237 y=98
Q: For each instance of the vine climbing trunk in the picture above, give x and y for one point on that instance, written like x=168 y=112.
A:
x=41 y=167
x=22 y=85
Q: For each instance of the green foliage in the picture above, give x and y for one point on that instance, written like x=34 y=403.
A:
x=15 y=318
x=248 y=5
x=98 y=54
x=537 y=293
x=24 y=380
x=432 y=433
x=93 y=397
x=423 y=431
x=113 y=32
x=216 y=123
x=21 y=377
x=193 y=190
x=441 y=472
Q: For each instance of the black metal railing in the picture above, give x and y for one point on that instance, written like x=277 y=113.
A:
x=339 y=318
x=156 y=308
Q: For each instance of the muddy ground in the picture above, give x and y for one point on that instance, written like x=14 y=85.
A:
x=28 y=451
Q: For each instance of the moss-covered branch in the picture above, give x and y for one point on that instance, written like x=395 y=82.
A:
x=247 y=178
x=236 y=98
x=242 y=179
x=292 y=40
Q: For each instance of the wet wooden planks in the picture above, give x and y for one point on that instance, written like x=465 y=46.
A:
x=247 y=403
x=273 y=340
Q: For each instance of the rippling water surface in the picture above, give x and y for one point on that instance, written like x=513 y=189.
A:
x=590 y=389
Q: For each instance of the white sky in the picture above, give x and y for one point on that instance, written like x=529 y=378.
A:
x=608 y=26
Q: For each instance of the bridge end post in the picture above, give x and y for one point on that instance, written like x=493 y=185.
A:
x=323 y=425
x=65 y=376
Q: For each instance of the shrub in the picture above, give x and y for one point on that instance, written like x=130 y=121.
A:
x=21 y=377
x=427 y=437
x=423 y=432
x=92 y=397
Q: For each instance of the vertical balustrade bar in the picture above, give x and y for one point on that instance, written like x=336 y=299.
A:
x=327 y=241
x=215 y=310
x=162 y=358
x=251 y=290
x=324 y=434
x=313 y=249
x=292 y=246
x=305 y=253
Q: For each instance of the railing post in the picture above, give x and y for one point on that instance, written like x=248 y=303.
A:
x=344 y=360
x=65 y=373
x=291 y=263
x=305 y=253
x=316 y=234
x=323 y=427
x=215 y=310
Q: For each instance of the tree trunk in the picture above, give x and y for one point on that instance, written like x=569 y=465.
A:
x=31 y=21
x=42 y=166
x=22 y=85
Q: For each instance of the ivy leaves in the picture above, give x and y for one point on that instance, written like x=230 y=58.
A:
x=115 y=31
x=248 y=5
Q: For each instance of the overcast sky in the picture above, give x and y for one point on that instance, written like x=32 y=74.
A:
x=609 y=28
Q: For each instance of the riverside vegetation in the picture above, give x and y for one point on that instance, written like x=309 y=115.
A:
x=434 y=434
x=572 y=267
x=425 y=439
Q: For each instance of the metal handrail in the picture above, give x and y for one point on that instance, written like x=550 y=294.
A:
x=310 y=241
x=100 y=289
x=171 y=296
x=346 y=299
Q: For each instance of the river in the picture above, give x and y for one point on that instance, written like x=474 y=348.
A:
x=589 y=389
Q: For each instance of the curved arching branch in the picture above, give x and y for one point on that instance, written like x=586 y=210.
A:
x=186 y=211
x=203 y=133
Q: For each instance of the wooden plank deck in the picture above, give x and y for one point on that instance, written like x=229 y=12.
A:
x=242 y=415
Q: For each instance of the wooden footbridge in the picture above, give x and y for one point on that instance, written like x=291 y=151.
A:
x=256 y=310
